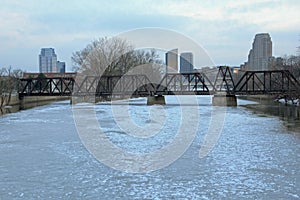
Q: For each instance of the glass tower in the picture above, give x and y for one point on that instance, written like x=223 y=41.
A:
x=261 y=52
x=47 y=61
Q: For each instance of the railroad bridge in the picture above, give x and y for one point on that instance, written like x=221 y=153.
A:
x=280 y=83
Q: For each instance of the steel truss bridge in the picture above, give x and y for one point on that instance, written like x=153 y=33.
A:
x=281 y=83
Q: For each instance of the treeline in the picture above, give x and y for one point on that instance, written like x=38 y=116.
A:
x=8 y=84
x=291 y=63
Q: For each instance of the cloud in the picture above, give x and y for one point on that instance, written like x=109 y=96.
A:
x=273 y=15
x=12 y=26
x=216 y=25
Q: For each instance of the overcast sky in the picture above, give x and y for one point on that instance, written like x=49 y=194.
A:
x=225 y=29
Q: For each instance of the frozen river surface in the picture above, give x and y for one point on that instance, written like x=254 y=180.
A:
x=42 y=157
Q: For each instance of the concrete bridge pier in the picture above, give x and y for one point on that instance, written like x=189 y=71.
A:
x=22 y=102
x=221 y=99
x=156 y=99
x=82 y=99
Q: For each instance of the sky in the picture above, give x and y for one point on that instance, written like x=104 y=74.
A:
x=224 y=29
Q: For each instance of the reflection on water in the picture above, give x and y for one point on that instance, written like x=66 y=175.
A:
x=289 y=114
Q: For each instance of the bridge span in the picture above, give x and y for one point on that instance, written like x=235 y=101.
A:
x=280 y=83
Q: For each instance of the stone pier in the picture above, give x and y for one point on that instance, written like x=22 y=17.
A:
x=157 y=99
x=224 y=100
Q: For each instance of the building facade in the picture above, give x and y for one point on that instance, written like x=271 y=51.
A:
x=47 y=61
x=186 y=62
x=61 y=67
x=172 y=61
x=261 y=53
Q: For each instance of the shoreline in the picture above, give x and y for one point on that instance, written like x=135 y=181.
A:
x=16 y=104
x=264 y=99
x=289 y=114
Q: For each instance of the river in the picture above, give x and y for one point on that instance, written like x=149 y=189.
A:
x=257 y=155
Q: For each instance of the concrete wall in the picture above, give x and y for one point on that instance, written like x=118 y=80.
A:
x=224 y=100
x=15 y=101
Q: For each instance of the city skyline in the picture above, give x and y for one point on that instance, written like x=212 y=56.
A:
x=261 y=52
x=224 y=29
x=172 y=61
x=48 y=62
x=186 y=62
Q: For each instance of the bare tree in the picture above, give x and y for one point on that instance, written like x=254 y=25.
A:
x=8 y=84
x=111 y=56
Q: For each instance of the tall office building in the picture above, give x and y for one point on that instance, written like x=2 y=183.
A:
x=172 y=60
x=47 y=61
x=186 y=62
x=61 y=67
x=261 y=52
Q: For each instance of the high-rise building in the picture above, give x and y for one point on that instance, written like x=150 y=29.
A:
x=61 y=67
x=172 y=60
x=186 y=62
x=261 y=52
x=47 y=61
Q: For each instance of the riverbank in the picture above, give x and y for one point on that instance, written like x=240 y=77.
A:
x=16 y=104
x=289 y=114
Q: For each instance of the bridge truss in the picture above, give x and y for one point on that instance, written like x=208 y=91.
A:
x=276 y=82
x=281 y=83
x=59 y=86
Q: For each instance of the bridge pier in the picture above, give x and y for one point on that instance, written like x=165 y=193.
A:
x=224 y=100
x=82 y=99
x=157 y=99
x=22 y=102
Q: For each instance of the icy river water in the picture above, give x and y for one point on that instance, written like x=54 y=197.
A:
x=256 y=157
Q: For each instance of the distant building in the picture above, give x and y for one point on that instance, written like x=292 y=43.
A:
x=279 y=62
x=61 y=67
x=276 y=63
x=261 y=53
x=172 y=60
x=186 y=62
x=235 y=70
x=47 y=61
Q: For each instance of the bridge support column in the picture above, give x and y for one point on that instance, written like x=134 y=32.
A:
x=21 y=102
x=157 y=99
x=82 y=99
x=224 y=100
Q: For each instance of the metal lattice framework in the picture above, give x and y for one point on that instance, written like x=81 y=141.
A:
x=60 y=86
x=224 y=81
x=276 y=82
x=127 y=85
x=185 y=84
